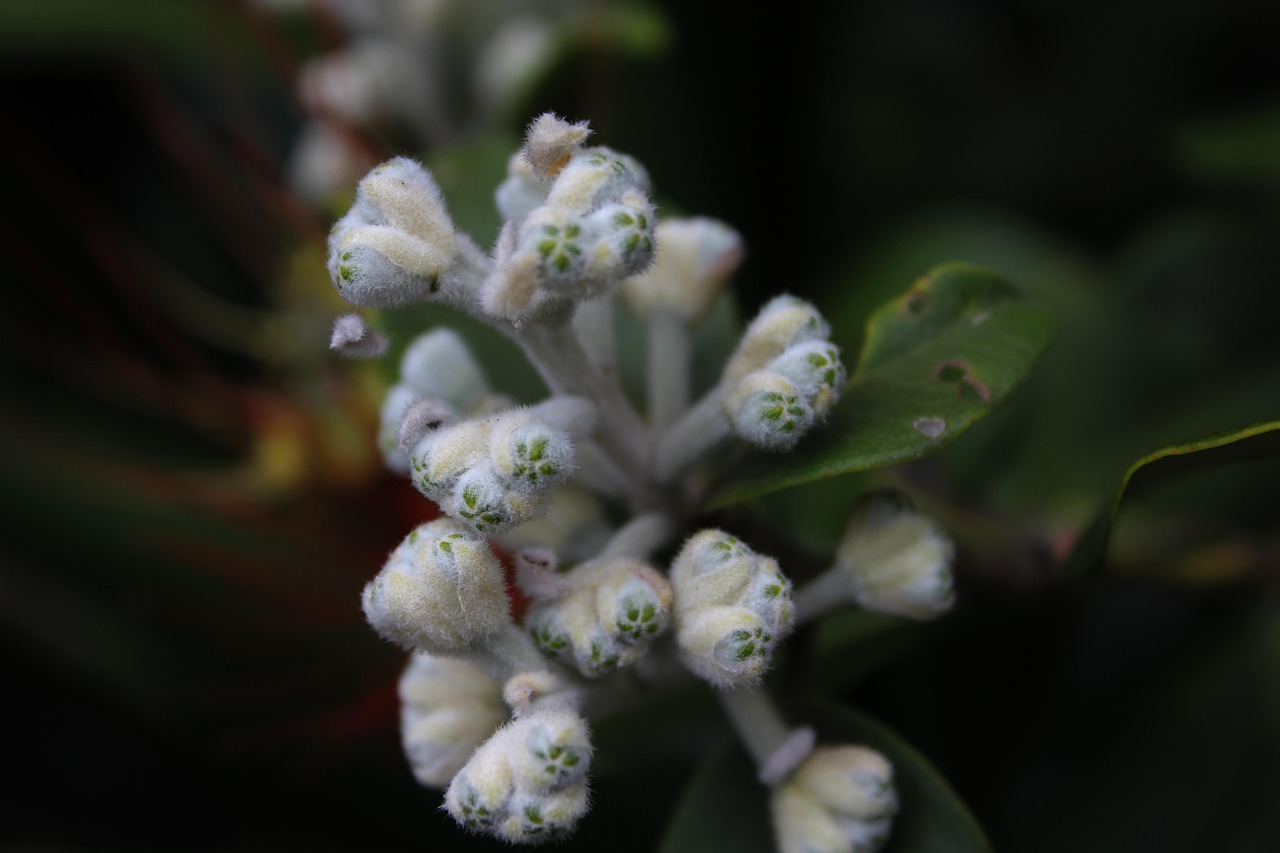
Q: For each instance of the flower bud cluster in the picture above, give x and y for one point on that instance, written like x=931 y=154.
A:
x=840 y=800
x=492 y=473
x=580 y=226
x=528 y=783
x=593 y=228
x=448 y=707
x=397 y=240
x=732 y=606
x=784 y=376
x=600 y=615
x=441 y=591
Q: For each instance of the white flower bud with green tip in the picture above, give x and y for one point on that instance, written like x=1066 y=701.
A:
x=625 y=243
x=549 y=749
x=544 y=817
x=527 y=783
x=766 y=409
x=529 y=454
x=694 y=259
x=840 y=799
x=397 y=240
x=815 y=369
x=726 y=646
x=732 y=606
x=783 y=322
x=594 y=177
x=448 y=708
x=442 y=456
x=439 y=363
x=891 y=559
x=485 y=501
x=441 y=591
x=604 y=614
x=479 y=794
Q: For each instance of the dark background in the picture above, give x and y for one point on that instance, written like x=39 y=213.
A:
x=191 y=504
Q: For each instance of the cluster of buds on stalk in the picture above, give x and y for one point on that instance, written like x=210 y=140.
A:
x=495 y=701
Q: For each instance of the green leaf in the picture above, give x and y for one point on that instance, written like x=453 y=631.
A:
x=932 y=818
x=936 y=359
x=1257 y=441
x=724 y=807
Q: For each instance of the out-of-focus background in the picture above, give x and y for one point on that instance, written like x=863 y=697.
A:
x=191 y=497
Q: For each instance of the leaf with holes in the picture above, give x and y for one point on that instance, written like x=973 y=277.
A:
x=936 y=359
x=1257 y=441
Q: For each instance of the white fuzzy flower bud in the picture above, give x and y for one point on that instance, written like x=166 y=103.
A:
x=529 y=455
x=626 y=232
x=766 y=409
x=487 y=503
x=528 y=782
x=439 y=364
x=732 y=606
x=397 y=240
x=695 y=258
x=895 y=560
x=840 y=799
x=448 y=708
x=783 y=322
x=815 y=370
x=441 y=591
x=605 y=615
x=442 y=456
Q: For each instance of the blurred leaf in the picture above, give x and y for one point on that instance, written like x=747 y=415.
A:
x=1240 y=147
x=1248 y=443
x=936 y=359
x=932 y=818
x=724 y=807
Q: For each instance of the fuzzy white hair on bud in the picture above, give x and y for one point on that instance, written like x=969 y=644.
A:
x=839 y=799
x=732 y=607
x=441 y=591
x=448 y=708
x=550 y=141
x=767 y=410
x=438 y=363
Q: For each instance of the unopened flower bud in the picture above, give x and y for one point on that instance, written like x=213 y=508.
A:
x=439 y=364
x=397 y=240
x=783 y=322
x=442 y=456
x=732 y=608
x=839 y=799
x=767 y=410
x=528 y=454
x=448 y=708
x=896 y=560
x=441 y=591
x=528 y=782
x=612 y=610
x=814 y=368
x=694 y=259
x=594 y=177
